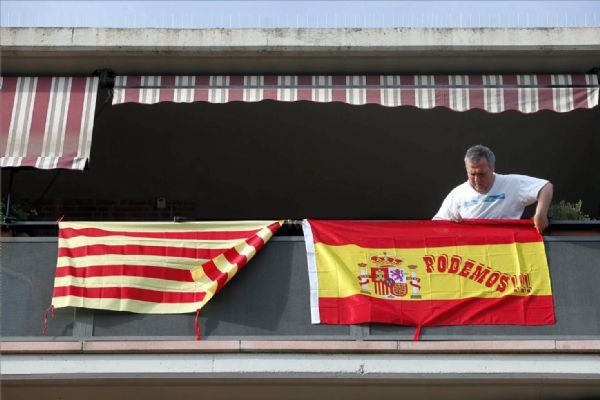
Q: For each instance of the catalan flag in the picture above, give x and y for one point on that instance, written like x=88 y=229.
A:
x=152 y=267
x=427 y=273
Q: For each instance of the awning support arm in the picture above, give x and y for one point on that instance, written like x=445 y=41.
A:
x=9 y=194
x=49 y=185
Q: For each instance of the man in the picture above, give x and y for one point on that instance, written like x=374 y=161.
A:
x=490 y=195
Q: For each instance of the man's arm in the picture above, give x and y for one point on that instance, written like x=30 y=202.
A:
x=540 y=219
x=448 y=211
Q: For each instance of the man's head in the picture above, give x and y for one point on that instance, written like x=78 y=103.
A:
x=480 y=162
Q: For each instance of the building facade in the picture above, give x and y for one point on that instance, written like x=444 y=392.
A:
x=334 y=154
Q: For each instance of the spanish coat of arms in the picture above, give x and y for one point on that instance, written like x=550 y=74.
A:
x=384 y=276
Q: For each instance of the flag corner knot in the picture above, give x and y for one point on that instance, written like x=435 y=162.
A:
x=197 y=324
x=417 y=335
x=49 y=310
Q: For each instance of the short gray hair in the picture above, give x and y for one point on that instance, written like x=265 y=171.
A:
x=479 y=151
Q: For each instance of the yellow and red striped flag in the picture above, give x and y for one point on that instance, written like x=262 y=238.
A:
x=424 y=273
x=152 y=267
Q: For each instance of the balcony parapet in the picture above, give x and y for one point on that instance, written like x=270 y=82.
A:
x=266 y=308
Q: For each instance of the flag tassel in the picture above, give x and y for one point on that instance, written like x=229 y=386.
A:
x=417 y=335
x=45 y=326
x=197 y=324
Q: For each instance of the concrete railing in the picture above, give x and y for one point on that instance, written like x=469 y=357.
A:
x=269 y=301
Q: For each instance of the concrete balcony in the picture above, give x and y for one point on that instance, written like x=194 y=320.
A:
x=269 y=301
x=256 y=333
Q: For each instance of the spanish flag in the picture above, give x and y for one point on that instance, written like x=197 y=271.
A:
x=428 y=273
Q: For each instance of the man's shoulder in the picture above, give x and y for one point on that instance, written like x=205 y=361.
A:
x=518 y=178
x=460 y=189
x=513 y=176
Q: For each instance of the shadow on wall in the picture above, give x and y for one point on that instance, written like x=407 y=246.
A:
x=293 y=160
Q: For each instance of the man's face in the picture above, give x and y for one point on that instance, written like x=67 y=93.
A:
x=480 y=175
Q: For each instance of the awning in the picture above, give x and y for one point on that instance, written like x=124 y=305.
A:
x=46 y=122
x=492 y=93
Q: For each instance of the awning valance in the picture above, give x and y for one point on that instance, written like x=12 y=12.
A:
x=46 y=122
x=492 y=93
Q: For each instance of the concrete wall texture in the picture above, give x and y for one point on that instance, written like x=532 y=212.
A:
x=79 y=51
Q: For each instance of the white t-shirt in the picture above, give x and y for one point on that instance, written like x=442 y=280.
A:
x=507 y=198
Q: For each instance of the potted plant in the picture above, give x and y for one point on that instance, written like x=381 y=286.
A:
x=17 y=213
x=568 y=219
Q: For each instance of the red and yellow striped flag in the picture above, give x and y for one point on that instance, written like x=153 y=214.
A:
x=428 y=273
x=152 y=267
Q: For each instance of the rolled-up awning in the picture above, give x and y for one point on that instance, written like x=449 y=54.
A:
x=46 y=122
x=492 y=93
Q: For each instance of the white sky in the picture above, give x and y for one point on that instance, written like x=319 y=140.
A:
x=264 y=14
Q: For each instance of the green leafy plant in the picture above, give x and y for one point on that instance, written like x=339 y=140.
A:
x=16 y=211
x=564 y=210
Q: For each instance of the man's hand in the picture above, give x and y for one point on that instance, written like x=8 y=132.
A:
x=540 y=219
x=456 y=217
x=541 y=222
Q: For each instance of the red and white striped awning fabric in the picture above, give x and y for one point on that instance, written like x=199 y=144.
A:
x=46 y=122
x=492 y=93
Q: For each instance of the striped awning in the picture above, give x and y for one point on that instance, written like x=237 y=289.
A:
x=46 y=122
x=492 y=93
